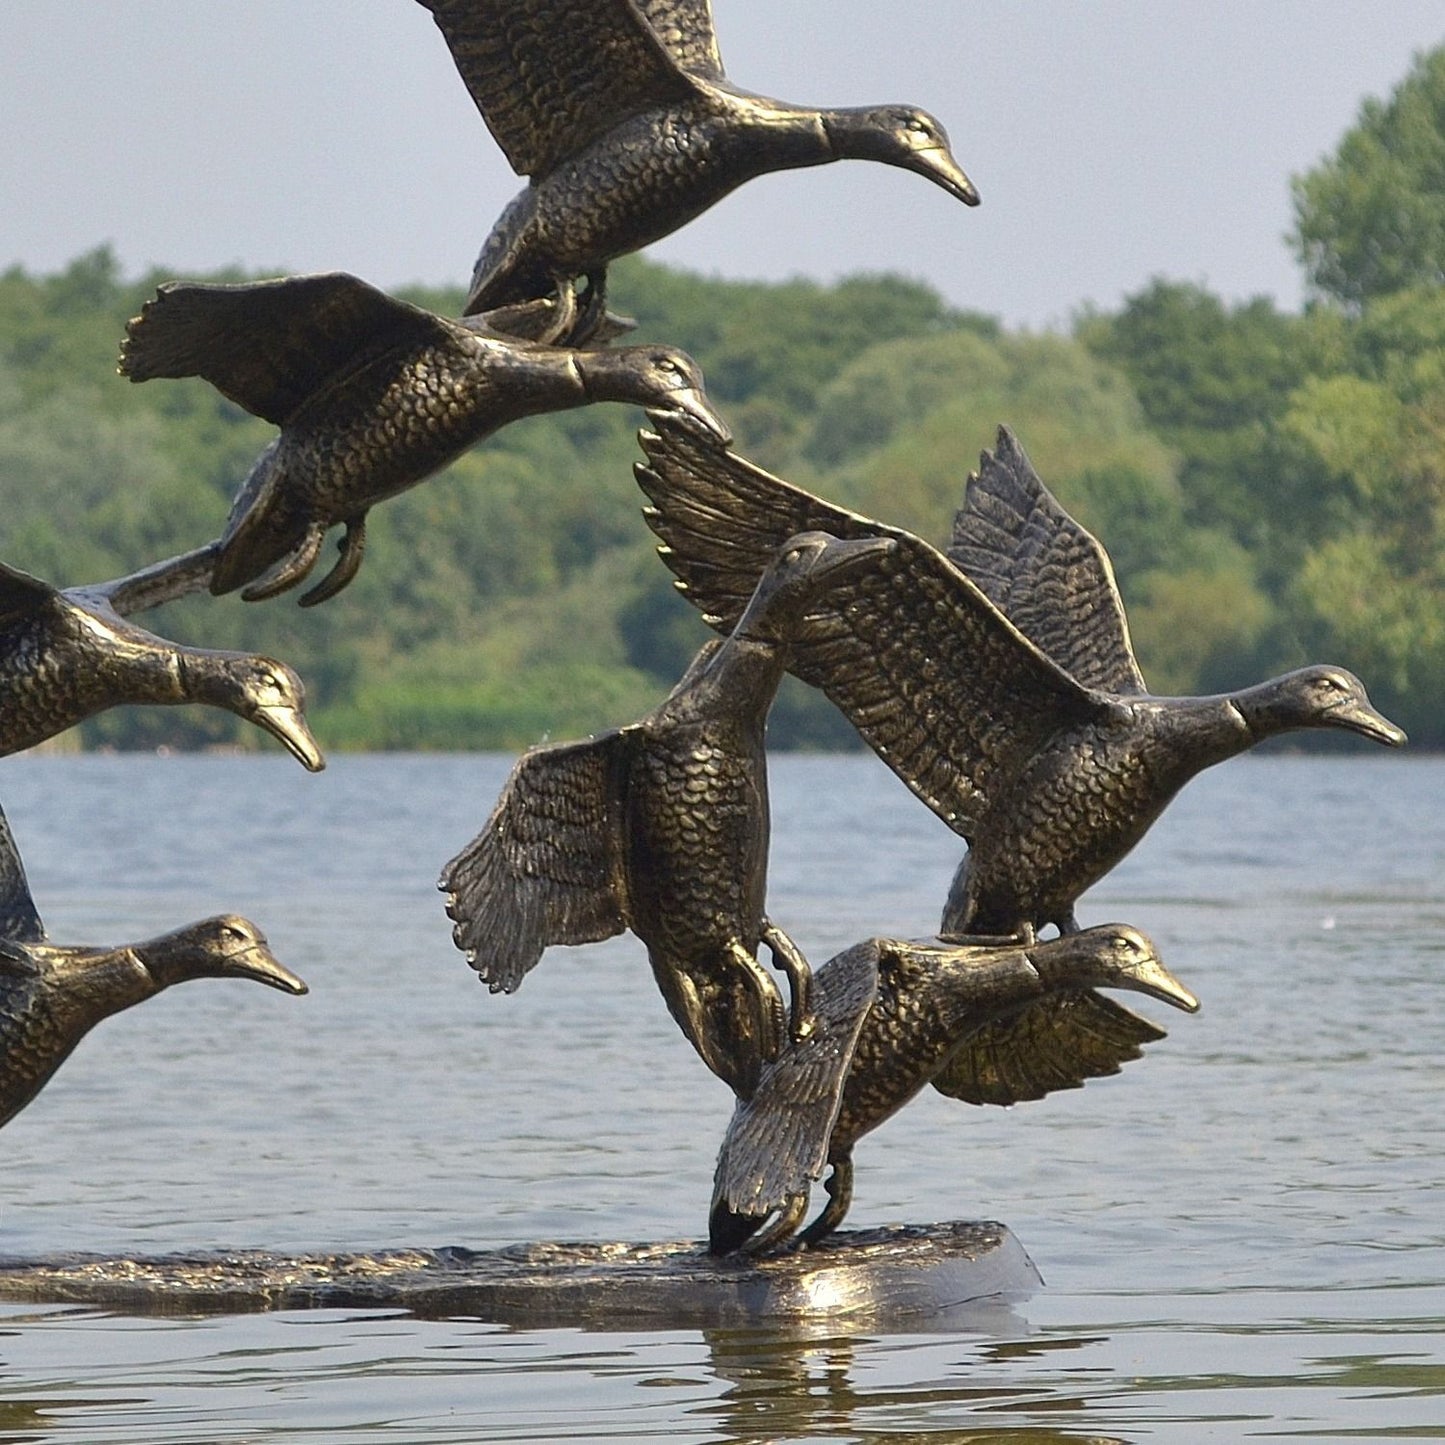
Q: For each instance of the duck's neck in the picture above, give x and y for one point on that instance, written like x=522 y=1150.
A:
x=984 y=987
x=773 y=135
x=100 y=982
x=1206 y=730
x=740 y=678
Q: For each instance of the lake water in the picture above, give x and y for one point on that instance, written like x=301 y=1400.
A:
x=1242 y=1235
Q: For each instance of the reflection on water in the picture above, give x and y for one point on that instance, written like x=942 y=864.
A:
x=1241 y=1233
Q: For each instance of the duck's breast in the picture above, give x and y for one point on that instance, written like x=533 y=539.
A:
x=697 y=842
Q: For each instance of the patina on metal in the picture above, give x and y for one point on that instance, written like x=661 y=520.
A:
x=620 y=113
x=997 y=682
x=372 y=395
x=957 y=1016
x=52 y=995
x=66 y=655
x=930 y=1277
x=662 y=827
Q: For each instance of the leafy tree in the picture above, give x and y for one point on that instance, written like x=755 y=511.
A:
x=1370 y=220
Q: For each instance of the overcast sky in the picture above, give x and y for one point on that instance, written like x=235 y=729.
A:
x=1112 y=141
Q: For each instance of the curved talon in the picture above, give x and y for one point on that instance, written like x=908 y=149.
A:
x=770 y=1001
x=352 y=548
x=559 y=329
x=291 y=570
x=593 y=308
x=786 y=954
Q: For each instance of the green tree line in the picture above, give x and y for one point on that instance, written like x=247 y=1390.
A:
x=1270 y=485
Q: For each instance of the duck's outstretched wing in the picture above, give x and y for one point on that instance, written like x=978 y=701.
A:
x=19 y=921
x=778 y=1139
x=1043 y=571
x=548 y=79
x=548 y=867
x=271 y=346
x=22 y=595
x=1058 y=1042
x=685 y=27
x=157 y=584
x=934 y=677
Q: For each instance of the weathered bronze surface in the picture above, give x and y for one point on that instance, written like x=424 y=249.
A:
x=621 y=114
x=372 y=395
x=52 y=995
x=998 y=682
x=958 y=1016
x=662 y=827
x=919 y=1277
x=65 y=656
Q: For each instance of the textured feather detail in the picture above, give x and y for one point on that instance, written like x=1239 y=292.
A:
x=547 y=868
x=550 y=78
x=685 y=28
x=272 y=346
x=19 y=920
x=1058 y=1042
x=1046 y=573
x=778 y=1139
x=936 y=679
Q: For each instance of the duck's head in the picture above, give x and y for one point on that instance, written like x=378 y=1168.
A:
x=1109 y=956
x=224 y=947
x=651 y=376
x=899 y=135
x=802 y=568
x=259 y=689
x=1314 y=697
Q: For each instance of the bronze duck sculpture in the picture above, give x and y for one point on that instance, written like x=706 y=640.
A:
x=621 y=115
x=66 y=655
x=662 y=827
x=958 y=1016
x=372 y=395
x=998 y=682
x=51 y=995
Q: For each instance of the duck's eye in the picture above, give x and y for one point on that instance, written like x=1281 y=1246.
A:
x=793 y=554
x=668 y=366
x=919 y=126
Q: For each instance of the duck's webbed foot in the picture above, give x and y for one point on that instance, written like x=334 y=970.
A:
x=352 y=547
x=788 y=957
x=839 y=1185
x=291 y=570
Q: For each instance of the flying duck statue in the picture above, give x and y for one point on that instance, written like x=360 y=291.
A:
x=51 y=995
x=957 y=1016
x=998 y=681
x=372 y=395
x=66 y=655
x=621 y=115
x=662 y=827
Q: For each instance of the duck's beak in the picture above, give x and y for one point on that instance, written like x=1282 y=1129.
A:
x=849 y=555
x=693 y=406
x=1151 y=977
x=938 y=165
x=1359 y=717
x=259 y=963
x=287 y=724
